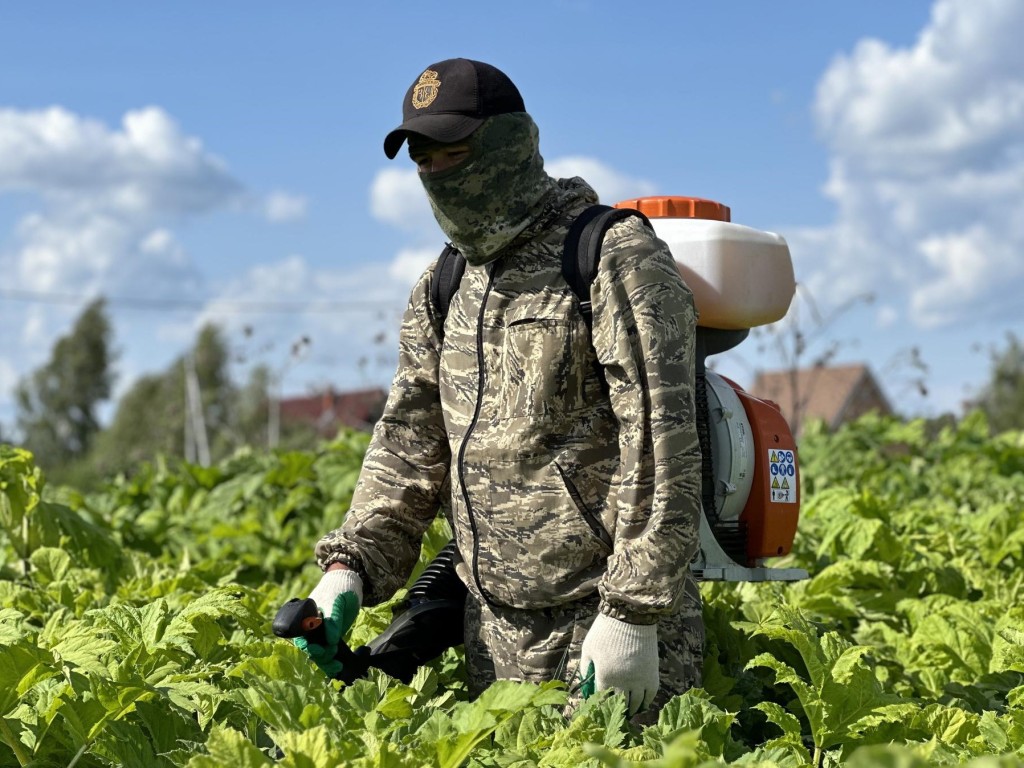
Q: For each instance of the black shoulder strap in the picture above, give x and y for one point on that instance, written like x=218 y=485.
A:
x=447 y=275
x=582 y=250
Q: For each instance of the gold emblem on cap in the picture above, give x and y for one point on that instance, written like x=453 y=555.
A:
x=425 y=90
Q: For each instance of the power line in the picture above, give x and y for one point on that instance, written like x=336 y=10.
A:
x=232 y=306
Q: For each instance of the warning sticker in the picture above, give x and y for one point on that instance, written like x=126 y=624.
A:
x=782 y=471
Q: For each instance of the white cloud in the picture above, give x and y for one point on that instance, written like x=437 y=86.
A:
x=147 y=166
x=409 y=264
x=341 y=332
x=8 y=376
x=282 y=207
x=927 y=146
x=886 y=316
x=106 y=198
x=610 y=185
x=103 y=201
x=397 y=198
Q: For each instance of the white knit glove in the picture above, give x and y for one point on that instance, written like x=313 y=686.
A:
x=623 y=657
x=332 y=584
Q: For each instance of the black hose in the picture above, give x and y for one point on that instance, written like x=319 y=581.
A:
x=439 y=581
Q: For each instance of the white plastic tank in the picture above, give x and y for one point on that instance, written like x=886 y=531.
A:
x=740 y=277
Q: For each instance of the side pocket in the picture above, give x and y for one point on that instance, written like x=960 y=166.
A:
x=585 y=512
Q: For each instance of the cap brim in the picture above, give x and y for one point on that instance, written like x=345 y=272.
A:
x=443 y=128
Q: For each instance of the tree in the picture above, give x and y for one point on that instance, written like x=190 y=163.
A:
x=1002 y=398
x=251 y=414
x=57 y=404
x=157 y=417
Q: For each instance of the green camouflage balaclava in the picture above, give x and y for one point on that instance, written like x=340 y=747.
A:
x=482 y=203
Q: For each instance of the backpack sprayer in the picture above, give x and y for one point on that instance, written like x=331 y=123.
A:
x=741 y=278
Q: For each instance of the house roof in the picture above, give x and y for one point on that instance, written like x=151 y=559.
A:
x=827 y=393
x=329 y=410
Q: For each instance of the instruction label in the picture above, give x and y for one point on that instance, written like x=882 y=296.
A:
x=782 y=475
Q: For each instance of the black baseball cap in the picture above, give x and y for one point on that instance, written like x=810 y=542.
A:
x=451 y=99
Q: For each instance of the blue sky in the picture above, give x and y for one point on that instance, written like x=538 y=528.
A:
x=220 y=154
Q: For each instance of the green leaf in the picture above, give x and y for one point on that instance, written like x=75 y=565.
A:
x=395 y=703
x=456 y=737
x=787 y=675
x=692 y=712
x=600 y=719
x=914 y=722
x=886 y=757
x=166 y=725
x=1008 y=643
x=11 y=626
x=205 y=620
x=227 y=747
x=842 y=688
x=84 y=647
x=309 y=748
x=607 y=757
x=792 y=736
x=21 y=484
x=530 y=732
x=54 y=525
x=508 y=696
x=49 y=564
x=21 y=667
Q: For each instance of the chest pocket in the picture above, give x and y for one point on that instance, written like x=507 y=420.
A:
x=543 y=367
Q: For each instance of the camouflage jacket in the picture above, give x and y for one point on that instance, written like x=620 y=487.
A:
x=559 y=486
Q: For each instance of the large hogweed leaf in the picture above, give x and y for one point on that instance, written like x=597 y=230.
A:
x=1008 y=643
x=950 y=640
x=848 y=591
x=837 y=686
x=693 y=712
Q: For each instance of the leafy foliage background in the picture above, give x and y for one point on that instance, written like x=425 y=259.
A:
x=134 y=625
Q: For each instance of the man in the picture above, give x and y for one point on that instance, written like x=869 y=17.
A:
x=572 y=455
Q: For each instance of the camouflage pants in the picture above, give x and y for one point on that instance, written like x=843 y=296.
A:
x=540 y=645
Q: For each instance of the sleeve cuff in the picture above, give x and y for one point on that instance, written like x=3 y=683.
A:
x=623 y=614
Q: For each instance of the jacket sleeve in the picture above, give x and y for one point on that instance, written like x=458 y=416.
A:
x=397 y=494
x=645 y=336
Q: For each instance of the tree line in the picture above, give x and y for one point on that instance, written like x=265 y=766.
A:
x=161 y=414
x=194 y=410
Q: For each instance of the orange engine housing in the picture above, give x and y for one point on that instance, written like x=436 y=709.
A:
x=773 y=507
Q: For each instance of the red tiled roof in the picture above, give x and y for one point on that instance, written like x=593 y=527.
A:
x=328 y=411
x=836 y=394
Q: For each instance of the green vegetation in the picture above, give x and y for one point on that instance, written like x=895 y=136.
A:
x=1002 y=399
x=134 y=626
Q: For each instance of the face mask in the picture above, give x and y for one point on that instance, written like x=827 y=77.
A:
x=484 y=202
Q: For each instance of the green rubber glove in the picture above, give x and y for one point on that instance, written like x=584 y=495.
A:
x=339 y=597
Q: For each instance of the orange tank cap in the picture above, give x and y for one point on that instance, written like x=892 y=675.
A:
x=678 y=208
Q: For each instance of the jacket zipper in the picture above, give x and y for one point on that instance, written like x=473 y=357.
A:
x=472 y=425
x=588 y=517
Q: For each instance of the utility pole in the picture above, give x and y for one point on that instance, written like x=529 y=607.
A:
x=190 y=443
x=274 y=416
x=195 y=403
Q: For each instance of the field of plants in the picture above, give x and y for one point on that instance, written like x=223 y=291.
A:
x=135 y=626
